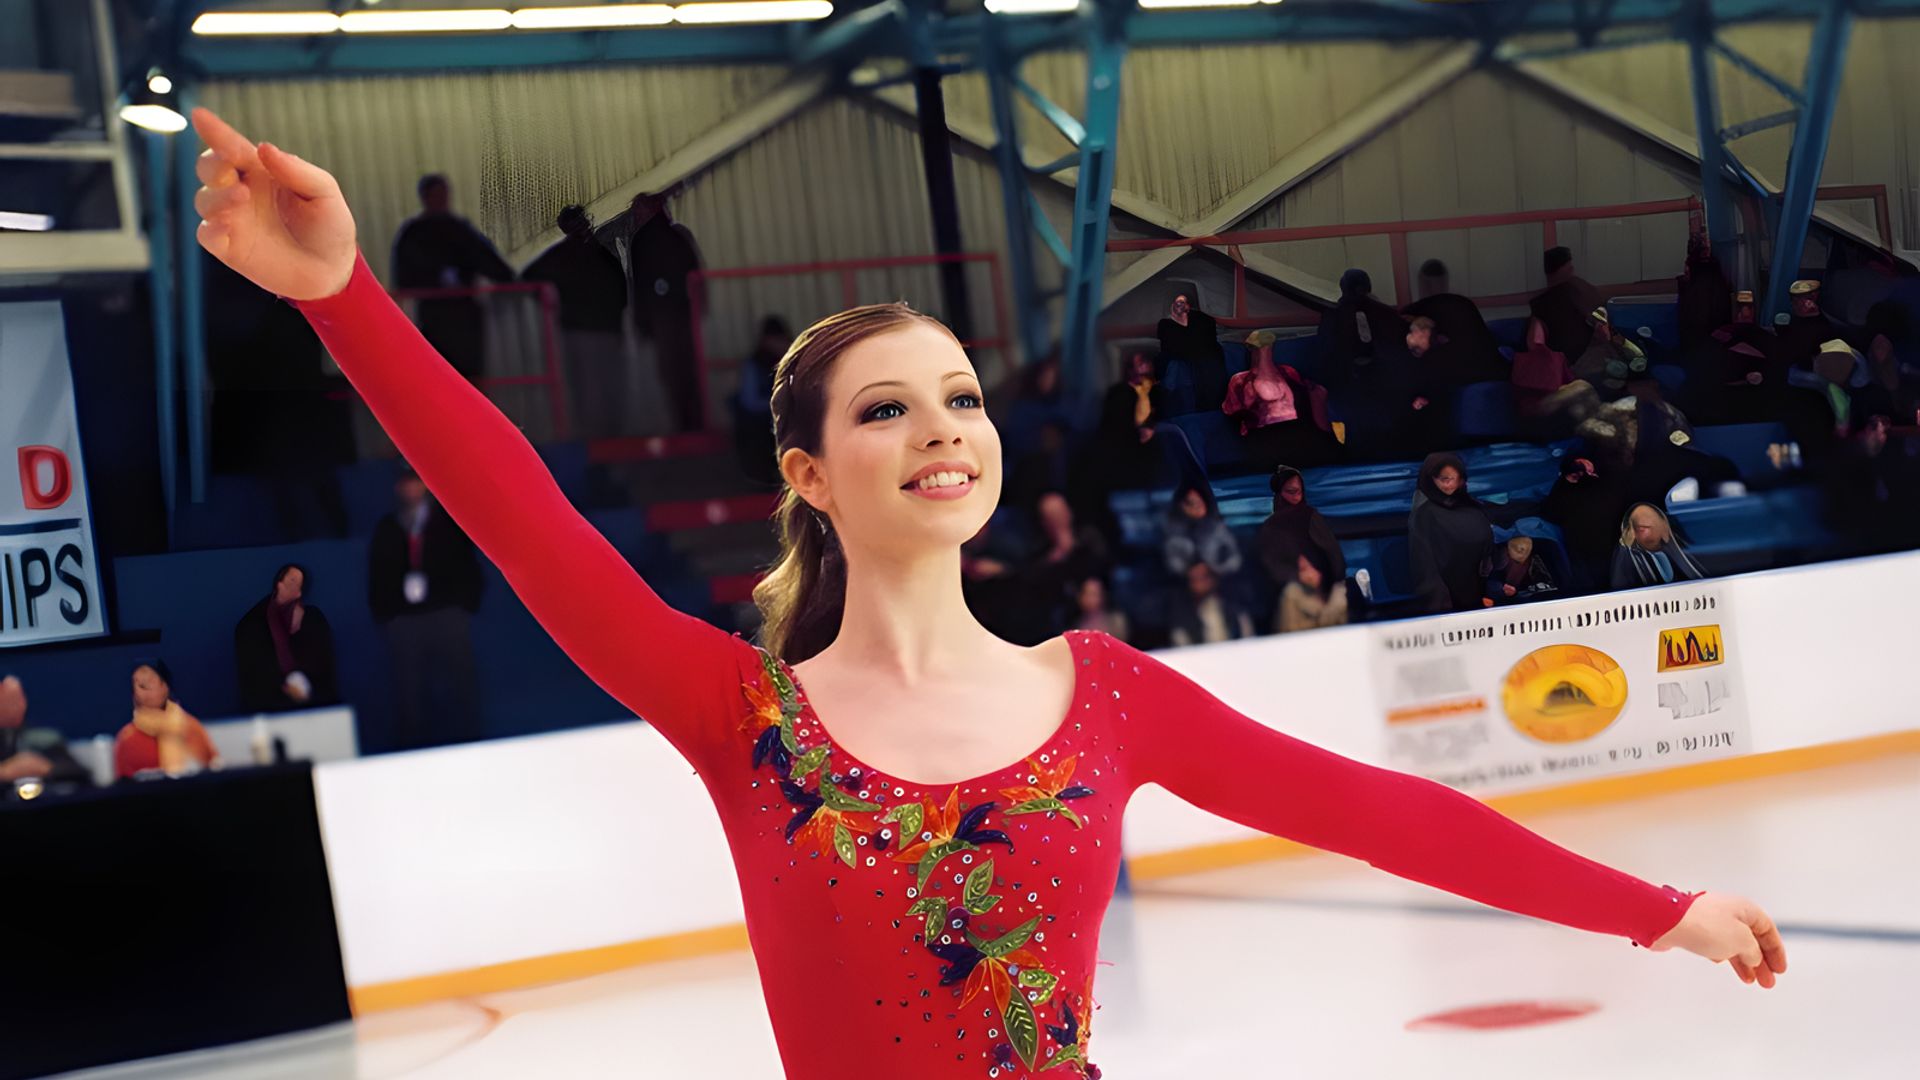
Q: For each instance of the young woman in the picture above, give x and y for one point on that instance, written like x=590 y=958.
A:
x=1649 y=553
x=161 y=735
x=1449 y=535
x=925 y=819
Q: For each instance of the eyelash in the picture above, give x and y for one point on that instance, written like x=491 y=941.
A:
x=871 y=414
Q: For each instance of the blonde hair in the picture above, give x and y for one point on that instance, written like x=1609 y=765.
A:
x=803 y=595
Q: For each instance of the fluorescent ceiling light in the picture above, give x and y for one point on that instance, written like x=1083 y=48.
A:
x=154 y=118
x=752 y=11
x=1032 y=7
x=425 y=22
x=590 y=18
x=25 y=222
x=1153 y=5
x=274 y=22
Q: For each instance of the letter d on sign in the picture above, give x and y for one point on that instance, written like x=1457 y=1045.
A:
x=59 y=485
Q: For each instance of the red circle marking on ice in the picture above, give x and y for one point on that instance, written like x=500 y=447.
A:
x=1506 y=1014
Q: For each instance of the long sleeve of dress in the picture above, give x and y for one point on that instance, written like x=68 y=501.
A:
x=1189 y=742
x=677 y=672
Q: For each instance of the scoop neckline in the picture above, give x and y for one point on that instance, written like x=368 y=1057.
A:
x=867 y=770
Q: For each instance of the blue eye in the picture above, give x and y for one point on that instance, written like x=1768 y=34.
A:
x=881 y=411
x=966 y=401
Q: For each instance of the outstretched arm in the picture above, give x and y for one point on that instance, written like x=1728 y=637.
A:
x=282 y=223
x=1188 y=741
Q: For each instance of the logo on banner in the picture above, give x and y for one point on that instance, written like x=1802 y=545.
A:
x=1564 y=693
x=1691 y=647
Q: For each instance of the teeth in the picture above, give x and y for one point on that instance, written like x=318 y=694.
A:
x=942 y=479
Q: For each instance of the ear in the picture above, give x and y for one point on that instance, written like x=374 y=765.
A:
x=803 y=473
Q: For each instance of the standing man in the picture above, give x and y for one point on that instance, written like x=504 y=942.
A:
x=593 y=297
x=437 y=249
x=660 y=255
x=423 y=584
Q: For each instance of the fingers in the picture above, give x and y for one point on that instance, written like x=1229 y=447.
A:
x=215 y=171
x=303 y=178
x=215 y=238
x=215 y=204
x=1740 y=969
x=1768 y=935
x=220 y=137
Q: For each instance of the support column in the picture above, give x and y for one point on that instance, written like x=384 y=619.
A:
x=1809 y=156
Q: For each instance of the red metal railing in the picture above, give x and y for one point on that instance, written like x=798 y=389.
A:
x=848 y=271
x=1396 y=233
x=1882 y=214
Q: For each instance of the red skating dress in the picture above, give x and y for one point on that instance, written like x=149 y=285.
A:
x=905 y=930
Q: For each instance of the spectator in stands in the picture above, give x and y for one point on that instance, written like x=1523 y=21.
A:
x=1862 y=485
x=997 y=590
x=437 y=249
x=1448 y=535
x=1831 y=397
x=161 y=735
x=1809 y=330
x=423 y=584
x=31 y=753
x=1092 y=610
x=593 y=300
x=1196 y=533
x=661 y=258
x=1190 y=340
x=1649 y=552
x=1069 y=555
x=1314 y=598
x=1293 y=530
x=1610 y=360
x=753 y=403
x=1367 y=369
x=1130 y=416
x=1516 y=574
x=283 y=649
x=1561 y=310
x=1587 y=503
x=1458 y=347
x=1037 y=401
x=1704 y=303
x=1203 y=615
x=1746 y=371
x=1282 y=415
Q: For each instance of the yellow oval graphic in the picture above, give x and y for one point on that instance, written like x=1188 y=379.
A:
x=1564 y=693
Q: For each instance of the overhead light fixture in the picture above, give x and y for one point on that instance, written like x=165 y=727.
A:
x=426 y=22
x=160 y=118
x=263 y=23
x=751 y=11
x=158 y=82
x=10 y=219
x=1032 y=7
x=593 y=18
x=1162 y=5
x=148 y=103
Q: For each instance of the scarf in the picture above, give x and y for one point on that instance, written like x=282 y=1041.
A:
x=1142 y=406
x=282 y=621
x=168 y=728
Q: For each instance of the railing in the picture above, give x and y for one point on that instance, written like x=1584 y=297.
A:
x=504 y=323
x=1396 y=233
x=848 y=272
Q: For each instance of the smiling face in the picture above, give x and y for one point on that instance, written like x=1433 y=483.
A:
x=908 y=460
x=149 y=690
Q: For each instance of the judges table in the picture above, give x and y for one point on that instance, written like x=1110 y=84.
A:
x=161 y=916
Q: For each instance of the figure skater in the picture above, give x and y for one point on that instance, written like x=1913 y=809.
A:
x=925 y=820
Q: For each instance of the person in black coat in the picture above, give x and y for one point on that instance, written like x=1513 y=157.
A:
x=437 y=249
x=283 y=649
x=1190 y=337
x=1450 y=537
x=661 y=259
x=423 y=584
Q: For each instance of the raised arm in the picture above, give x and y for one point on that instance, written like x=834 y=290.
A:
x=282 y=223
x=1189 y=742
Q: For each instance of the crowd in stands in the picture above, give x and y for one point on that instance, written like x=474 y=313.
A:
x=1601 y=440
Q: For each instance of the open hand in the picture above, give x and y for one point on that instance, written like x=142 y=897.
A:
x=278 y=221
x=1734 y=929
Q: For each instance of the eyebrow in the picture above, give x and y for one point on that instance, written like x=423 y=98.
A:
x=896 y=382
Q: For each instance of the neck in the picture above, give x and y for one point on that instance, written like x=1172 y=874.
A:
x=906 y=617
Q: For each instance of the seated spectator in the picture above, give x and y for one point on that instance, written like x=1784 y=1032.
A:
x=1196 y=533
x=1449 y=534
x=161 y=735
x=1587 y=503
x=1745 y=370
x=1368 y=371
x=1809 y=330
x=1839 y=381
x=1314 y=598
x=283 y=649
x=1069 y=554
x=1036 y=402
x=1609 y=361
x=1561 y=310
x=31 y=753
x=1703 y=292
x=1091 y=610
x=1046 y=465
x=1868 y=494
x=997 y=592
x=1189 y=337
x=1296 y=529
x=1649 y=553
x=1203 y=615
x=1516 y=575
x=1130 y=417
x=752 y=404
x=1283 y=416
x=1459 y=348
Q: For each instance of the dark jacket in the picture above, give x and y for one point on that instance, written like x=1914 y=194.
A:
x=660 y=256
x=591 y=284
x=438 y=251
x=258 y=667
x=448 y=559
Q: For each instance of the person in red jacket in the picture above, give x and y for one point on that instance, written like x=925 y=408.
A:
x=925 y=819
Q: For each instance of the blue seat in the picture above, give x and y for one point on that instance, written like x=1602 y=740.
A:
x=1216 y=442
x=1743 y=444
x=1672 y=379
x=1484 y=410
x=1237 y=355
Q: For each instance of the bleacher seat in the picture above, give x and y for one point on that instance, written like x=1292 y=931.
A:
x=1743 y=444
x=1484 y=410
